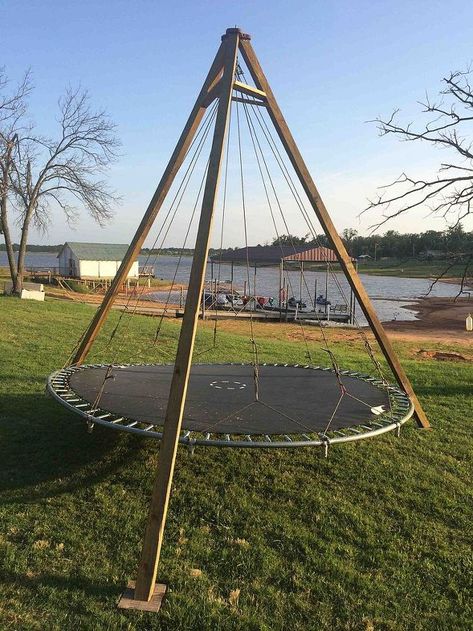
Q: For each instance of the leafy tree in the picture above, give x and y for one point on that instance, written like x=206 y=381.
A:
x=290 y=239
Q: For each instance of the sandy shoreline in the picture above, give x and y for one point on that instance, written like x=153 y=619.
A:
x=441 y=319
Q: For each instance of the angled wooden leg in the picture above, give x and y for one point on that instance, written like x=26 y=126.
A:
x=147 y=570
x=329 y=228
x=177 y=158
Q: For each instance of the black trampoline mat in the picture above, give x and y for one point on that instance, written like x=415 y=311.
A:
x=221 y=397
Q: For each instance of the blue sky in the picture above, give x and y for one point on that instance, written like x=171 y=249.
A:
x=332 y=65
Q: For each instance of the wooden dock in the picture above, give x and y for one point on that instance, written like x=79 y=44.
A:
x=271 y=315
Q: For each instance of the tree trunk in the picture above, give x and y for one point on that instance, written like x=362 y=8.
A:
x=4 y=216
x=22 y=251
x=8 y=243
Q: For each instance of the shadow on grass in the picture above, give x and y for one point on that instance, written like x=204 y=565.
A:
x=63 y=583
x=46 y=451
x=444 y=390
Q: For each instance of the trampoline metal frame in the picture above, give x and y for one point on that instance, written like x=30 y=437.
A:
x=402 y=409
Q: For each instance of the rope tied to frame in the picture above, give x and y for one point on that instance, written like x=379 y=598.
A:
x=108 y=375
x=336 y=370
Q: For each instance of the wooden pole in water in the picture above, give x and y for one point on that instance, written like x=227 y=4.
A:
x=326 y=222
x=301 y=272
x=326 y=280
x=280 y=284
x=148 y=567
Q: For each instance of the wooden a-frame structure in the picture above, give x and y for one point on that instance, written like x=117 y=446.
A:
x=220 y=84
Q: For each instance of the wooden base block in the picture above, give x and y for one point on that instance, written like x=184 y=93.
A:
x=127 y=599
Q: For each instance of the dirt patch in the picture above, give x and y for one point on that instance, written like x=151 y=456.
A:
x=443 y=356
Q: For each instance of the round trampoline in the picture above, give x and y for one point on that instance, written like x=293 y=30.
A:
x=294 y=405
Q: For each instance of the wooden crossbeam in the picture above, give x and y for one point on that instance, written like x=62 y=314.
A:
x=239 y=99
x=249 y=90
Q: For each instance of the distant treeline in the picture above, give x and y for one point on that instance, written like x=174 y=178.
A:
x=176 y=251
x=54 y=249
x=391 y=244
x=34 y=248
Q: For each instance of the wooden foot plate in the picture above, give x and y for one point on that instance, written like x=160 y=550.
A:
x=127 y=599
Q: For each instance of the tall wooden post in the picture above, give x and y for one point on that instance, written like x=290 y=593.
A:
x=207 y=94
x=323 y=216
x=147 y=570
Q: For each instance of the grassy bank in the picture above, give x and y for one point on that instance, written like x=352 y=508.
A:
x=377 y=536
x=412 y=268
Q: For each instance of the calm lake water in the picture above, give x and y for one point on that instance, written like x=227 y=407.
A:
x=389 y=294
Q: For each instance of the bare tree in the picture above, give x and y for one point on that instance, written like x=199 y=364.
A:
x=12 y=123
x=449 y=192
x=348 y=235
x=65 y=172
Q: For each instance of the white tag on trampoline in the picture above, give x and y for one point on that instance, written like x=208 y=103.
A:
x=378 y=410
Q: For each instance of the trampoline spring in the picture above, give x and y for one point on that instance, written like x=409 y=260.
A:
x=148 y=428
x=83 y=405
x=227 y=437
x=117 y=420
x=132 y=424
x=186 y=434
x=325 y=446
x=288 y=438
x=352 y=429
x=248 y=438
x=104 y=415
x=207 y=436
x=268 y=438
x=90 y=427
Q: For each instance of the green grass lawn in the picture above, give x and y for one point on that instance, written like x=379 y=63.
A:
x=377 y=536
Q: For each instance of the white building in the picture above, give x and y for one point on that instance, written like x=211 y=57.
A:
x=93 y=260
